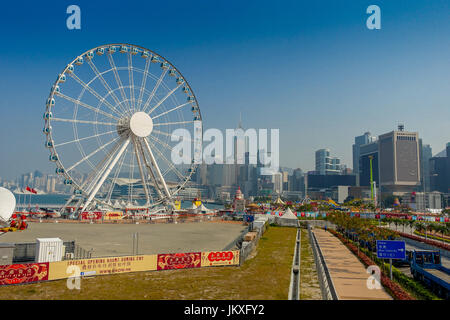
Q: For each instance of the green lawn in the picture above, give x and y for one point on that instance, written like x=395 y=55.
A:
x=265 y=276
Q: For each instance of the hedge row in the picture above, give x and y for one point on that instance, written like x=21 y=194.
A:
x=427 y=241
x=431 y=236
x=396 y=291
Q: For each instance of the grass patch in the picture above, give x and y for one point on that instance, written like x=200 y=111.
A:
x=309 y=281
x=264 y=277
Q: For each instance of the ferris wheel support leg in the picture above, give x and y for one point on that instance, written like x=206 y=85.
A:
x=158 y=172
x=105 y=175
x=141 y=171
x=149 y=168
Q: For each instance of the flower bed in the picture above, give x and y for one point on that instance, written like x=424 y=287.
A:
x=427 y=241
x=397 y=292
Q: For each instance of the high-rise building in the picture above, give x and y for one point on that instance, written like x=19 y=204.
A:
x=425 y=156
x=277 y=180
x=296 y=181
x=325 y=164
x=366 y=138
x=399 y=161
x=367 y=151
x=440 y=172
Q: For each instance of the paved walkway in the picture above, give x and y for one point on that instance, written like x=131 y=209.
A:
x=348 y=274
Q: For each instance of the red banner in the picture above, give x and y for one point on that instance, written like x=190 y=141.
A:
x=179 y=260
x=91 y=215
x=23 y=273
x=220 y=258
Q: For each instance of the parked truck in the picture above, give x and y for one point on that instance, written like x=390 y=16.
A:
x=426 y=266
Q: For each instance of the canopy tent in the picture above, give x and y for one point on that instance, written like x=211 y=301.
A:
x=279 y=201
x=203 y=209
x=288 y=214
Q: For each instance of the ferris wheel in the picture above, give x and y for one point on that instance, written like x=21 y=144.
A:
x=109 y=126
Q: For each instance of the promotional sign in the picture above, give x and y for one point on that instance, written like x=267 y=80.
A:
x=179 y=260
x=23 y=273
x=91 y=215
x=113 y=215
x=391 y=249
x=220 y=258
x=101 y=266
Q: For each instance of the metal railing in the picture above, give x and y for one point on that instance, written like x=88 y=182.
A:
x=294 y=287
x=326 y=283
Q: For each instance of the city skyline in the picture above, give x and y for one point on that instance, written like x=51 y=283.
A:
x=320 y=76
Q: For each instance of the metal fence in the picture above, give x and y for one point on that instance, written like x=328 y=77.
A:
x=325 y=281
x=25 y=252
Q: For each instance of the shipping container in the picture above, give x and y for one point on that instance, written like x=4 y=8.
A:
x=49 y=250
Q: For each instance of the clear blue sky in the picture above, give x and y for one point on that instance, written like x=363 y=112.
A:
x=310 y=68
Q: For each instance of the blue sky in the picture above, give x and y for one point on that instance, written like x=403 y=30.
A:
x=310 y=68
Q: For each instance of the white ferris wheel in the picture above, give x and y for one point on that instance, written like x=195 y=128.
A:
x=109 y=125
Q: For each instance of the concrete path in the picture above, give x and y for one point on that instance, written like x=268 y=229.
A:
x=348 y=274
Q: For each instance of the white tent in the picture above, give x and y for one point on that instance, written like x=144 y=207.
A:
x=288 y=214
x=203 y=209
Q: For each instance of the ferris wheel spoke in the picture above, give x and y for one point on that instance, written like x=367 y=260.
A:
x=164 y=99
x=118 y=81
x=161 y=142
x=106 y=173
x=94 y=93
x=158 y=171
x=85 y=138
x=105 y=84
x=170 y=164
x=91 y=154
x=84 y=121
x=144 y=81
x=78 y=102
x=173 y=109
x=170 y=123
x=130 y=76
x=152 y=94
x=171 y=135
x=102 y=167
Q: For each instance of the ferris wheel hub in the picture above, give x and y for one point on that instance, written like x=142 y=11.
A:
x=141 y=124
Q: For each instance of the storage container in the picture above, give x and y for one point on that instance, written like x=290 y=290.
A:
x=49 y=249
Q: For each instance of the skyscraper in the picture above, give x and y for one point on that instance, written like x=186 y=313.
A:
x=399 y=161
x=366 y=138
x=440 y=172
x=325 y=164
x=365 y=152
x=425 y=156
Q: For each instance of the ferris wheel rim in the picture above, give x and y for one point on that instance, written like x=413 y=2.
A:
x=49 y=136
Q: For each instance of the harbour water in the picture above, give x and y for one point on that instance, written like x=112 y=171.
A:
x=56 y=200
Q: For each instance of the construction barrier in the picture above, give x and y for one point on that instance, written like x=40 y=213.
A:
x=179 y=260
x=220 y=258
x=102 y=266
x=38 y=272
